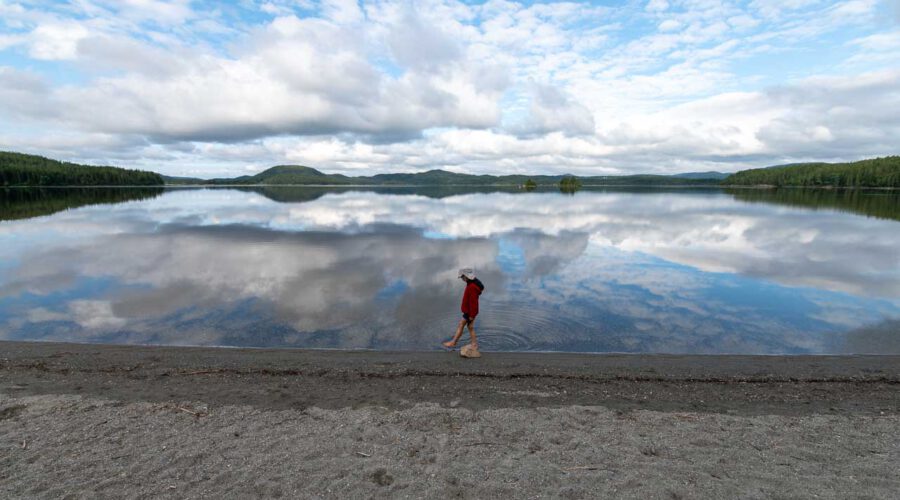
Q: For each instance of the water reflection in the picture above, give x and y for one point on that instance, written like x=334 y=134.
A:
x=25 y=203
x=880 y=338
x=884 y=204
x=636 y=271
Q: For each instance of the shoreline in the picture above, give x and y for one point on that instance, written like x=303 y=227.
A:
x=540 y=187
x=867 y=384
x=112 y=421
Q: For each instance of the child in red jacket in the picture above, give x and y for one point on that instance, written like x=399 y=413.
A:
x=469 y=307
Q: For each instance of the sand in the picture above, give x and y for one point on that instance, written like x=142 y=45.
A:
x=142 y=422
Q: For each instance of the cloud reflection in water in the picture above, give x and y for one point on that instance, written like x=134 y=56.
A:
x=686 y=271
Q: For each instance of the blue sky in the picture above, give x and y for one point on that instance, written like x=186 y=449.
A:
x=226 y=88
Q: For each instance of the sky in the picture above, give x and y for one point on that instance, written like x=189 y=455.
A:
x=211 y=89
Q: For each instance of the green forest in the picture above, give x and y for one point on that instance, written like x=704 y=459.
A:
x=569 y=184
x=877 y=172
x=17 y=169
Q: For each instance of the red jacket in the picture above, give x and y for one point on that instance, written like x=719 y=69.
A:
x=470 y=298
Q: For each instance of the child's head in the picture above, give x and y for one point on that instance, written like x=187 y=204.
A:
x=467 y=273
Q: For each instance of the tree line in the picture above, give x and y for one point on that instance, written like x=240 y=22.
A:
x=17 y=169
x=877 y=172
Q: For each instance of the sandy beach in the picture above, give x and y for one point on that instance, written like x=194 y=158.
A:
x=91 y=421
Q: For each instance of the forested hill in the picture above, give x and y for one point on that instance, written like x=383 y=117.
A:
x=301 y=175
x=876 y=173
x=17 y=169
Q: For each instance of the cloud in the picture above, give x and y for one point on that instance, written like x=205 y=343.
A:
x=639 y=87
x=551 y=110
x=834 y=116
x=58 y=41
x=24 y=94
x=296 y=76
x=880 y=338
x=156 y=11
x=669 y=25
x=418 y=44
x=657 y=5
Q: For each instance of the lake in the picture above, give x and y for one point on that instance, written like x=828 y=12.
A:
x=604 y=270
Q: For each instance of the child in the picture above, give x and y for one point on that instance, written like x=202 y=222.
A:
x=469 y=308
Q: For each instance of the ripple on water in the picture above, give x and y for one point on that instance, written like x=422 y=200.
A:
x=514 y=327
x=502 y=326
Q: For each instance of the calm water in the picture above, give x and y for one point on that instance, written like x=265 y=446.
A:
x=686 y=271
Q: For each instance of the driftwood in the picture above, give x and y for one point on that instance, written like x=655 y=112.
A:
x=587 y=467
x=197 y=414
x=202 y=372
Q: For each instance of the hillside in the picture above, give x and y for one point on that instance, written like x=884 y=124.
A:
x=17 y=169
x=703 y=175
x=301 y=175
x=288 y=174
x=876 y=173
x=177 y=181
x=646 y=180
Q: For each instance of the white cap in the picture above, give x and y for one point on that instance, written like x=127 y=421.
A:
x=468 y=272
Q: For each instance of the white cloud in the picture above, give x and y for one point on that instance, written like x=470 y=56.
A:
x=398 y=86
x=552 y=110
x=669 y=25
x=159 y=11
x=41 y=314
x=657 y=5
x=95 y=314
x=56 y=41
x=879 y=41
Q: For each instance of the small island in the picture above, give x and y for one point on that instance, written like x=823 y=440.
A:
x=569 y=184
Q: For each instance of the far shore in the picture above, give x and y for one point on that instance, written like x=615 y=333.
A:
x=540 y=187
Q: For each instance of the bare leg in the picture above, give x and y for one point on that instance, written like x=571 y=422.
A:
x=471 y=326
x=457 y=335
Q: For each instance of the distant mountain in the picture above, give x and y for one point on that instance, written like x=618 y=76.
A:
x=170 y=179
x=302 y=175
x=645 y=180
x=431 y=177
x=702 y=175
x=287 y=174
x=18 y=169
